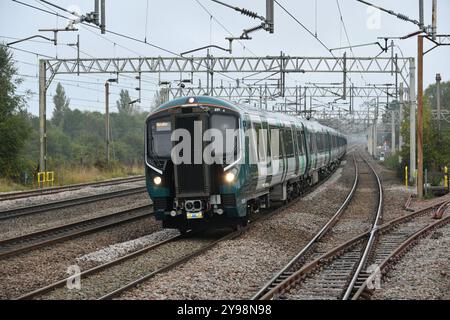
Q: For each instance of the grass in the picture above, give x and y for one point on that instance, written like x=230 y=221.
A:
x=75 y=175
x=8 y=185
x=392 y=162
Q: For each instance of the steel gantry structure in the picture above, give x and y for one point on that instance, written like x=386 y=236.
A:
x=401 y=68
x=302 y=98
x=270 y=92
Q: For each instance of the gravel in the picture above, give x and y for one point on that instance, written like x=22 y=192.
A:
x=250 y=260
x=30 y=223
x=31 y=270
x=84 y=191
x=423 y=273
x=117 y=250
x=395 y=194
x=99 y=284
x=357 y=217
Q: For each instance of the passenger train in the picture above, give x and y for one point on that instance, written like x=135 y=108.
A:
x=271 y=157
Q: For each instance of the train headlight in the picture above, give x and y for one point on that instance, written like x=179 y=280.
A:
x=230 y=176
x=157 y=180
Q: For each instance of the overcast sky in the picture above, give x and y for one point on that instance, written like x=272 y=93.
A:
x=181 y=25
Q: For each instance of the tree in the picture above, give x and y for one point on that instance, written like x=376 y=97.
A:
x=160 y=97
x=436 y=153
x=14 y=127
x=61 y=105
x=123 y=104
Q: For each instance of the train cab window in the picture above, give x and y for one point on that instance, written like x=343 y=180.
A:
x=227 y=124
x=159 y=137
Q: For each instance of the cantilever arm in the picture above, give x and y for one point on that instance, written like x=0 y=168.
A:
x=206 y=47
x=32 y=37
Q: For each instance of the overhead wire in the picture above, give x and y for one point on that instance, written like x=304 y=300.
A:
x=347 y=37
x=119 y=35
x=311 y=33
x=224 y=27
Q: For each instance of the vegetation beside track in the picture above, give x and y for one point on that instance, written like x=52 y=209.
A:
x=76 y=139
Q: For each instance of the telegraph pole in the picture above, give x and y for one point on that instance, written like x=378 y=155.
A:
x=107 y=120
x=42 y=116
x=412 y=119
x=400 y=120
x=420 y=116
x=392 y=131
x=438 y=102
x=375 y=129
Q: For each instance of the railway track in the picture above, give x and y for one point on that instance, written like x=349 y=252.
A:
x=53 y=190
x=403 y=238
x=102 y=282
x=66 y=203
x=355 y=210
x=49 y=236
x=326 y=268
x=346 y=271
x=106 y=273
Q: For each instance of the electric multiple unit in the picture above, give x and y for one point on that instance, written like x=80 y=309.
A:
x=210 y=162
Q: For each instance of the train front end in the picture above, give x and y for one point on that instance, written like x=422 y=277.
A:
x=193 y=157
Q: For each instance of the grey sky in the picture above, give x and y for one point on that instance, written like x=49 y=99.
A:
x=181 y=25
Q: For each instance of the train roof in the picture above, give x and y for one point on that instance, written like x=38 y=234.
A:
x=199 y=100
x=309 y=124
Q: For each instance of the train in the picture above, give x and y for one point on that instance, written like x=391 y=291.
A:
x=214 y=163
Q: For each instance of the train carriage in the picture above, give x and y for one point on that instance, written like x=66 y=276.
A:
x=269 y=157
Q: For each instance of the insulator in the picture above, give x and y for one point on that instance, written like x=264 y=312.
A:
x=249 y=13
x=403 y=17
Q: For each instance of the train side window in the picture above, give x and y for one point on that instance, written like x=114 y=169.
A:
x=319 y=142
x=314 y=142
x=301 y=147
x=281 y=144
x=311 y=150
x=265 y=126
x=288 y=142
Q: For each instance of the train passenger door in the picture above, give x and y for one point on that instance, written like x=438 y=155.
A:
x=259 y=148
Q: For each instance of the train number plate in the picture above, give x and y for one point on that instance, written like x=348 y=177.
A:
x=194 y=215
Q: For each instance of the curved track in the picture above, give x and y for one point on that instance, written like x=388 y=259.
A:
x=299 y=259
x=53 y=190
x=342 y=276
x=348 y=270
x=414 y=225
